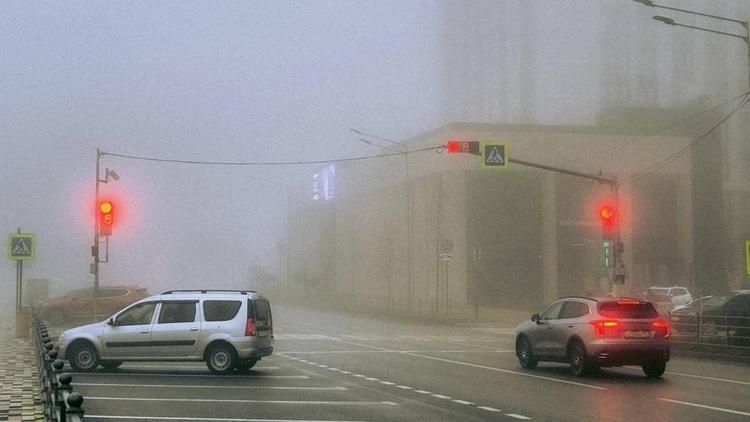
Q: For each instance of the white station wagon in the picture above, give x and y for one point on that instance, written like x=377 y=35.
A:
x=229 y=330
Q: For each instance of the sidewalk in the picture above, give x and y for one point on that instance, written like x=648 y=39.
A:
x=20 y=390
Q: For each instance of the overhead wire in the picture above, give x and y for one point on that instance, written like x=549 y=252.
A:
x=671 y=126
x=687 y=147
x=438 y=148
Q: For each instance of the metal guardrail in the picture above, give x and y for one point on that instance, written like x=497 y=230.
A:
x=729 y=331
x=60 y=402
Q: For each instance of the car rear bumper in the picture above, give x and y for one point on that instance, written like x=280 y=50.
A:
x=629 y=354
x=252 y=347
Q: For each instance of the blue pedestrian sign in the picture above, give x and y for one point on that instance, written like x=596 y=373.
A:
x=21 y=246
x=494 y=155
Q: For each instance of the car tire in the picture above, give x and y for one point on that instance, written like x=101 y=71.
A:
x=110 y=364
x=580 y=363
x=525 y=356
x=221 y=359
x=654 y=369
x=83 y=357
x=246 y=364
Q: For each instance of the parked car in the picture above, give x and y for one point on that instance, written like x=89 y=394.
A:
x=229 y=330
x=723 y=319
x=589 y=333
x=666 y=298
x=79 y=304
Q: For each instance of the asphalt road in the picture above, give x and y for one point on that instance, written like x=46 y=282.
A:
x=336 y=367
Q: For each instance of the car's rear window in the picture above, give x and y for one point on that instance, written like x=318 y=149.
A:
x=262 y=310
x=627 y=310
x=220 y=310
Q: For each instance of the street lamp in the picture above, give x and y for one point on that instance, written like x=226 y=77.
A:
x=670 y=21
x=404 y=150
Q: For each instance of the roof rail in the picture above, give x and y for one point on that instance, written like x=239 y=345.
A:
x=204 y=291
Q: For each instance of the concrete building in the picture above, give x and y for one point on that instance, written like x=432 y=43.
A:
x=518 y=237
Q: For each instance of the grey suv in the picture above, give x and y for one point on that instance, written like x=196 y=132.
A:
x=227 y=329
x=590 y=333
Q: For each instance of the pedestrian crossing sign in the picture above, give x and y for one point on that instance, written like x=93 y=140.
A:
x=494 y=155
x=21 y=246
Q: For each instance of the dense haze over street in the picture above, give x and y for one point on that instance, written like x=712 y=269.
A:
x=405 y=181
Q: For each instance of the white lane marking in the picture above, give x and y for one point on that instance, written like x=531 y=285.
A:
x=372 y=379
x=472 y=365
x=404 y=387
x=183 y=418
x=522 y=417
x=329 y=352
x=489 y=409
x=359 y=376
x=245 y=387
x=339 y=403
x=440 y=396
x=387 y=383
x=422 y=392
x=462 y=402
x=720 y=409
x=345 y=372
x=86 y=374
x=199 y=367
x=323 y=366
x=703 y=377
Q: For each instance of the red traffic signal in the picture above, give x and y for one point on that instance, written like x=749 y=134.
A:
x=106 y=218
x=468 y=147
x=608 y=216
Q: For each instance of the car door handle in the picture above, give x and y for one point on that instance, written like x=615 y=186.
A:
x=571 y=326
x=144 y=332
x=193 y=329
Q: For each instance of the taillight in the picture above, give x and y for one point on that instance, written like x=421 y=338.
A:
x=601 y=328
x=663 y=326
x=250 y=328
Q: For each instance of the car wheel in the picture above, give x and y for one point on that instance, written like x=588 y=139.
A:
x=221 y=359
x=654 y=369
x=523 y=351
x=579 y=362
x=111 y=364
x=83 y=357
x=246 y=364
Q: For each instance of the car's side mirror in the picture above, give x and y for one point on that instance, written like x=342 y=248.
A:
x=535 y=318
x=111 y=321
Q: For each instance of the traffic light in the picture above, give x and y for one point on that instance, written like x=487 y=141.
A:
x=469 y=147
x=106 y=218
x=608 y=216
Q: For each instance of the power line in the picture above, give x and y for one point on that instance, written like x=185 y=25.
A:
x=673 y=125
x=687 y=147
x=270 y=163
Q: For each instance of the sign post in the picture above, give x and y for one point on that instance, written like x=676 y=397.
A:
x=21 y=247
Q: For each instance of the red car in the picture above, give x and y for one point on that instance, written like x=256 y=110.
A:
x=79 y=304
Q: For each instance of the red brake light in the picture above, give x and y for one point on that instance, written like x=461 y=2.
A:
x=600 y=327
x=250 y=328
x=628 y=302
x=661 y=324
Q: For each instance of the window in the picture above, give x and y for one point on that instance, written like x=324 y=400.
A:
x=220 y=310
x=679 y=292
x=139 y=314
x=553 y=311
x=574 y=310
x=174 y=312
x=262 y=310
x=627 y=310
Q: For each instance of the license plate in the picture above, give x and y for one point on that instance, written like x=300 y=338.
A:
x=636 y=334
x=263 y=333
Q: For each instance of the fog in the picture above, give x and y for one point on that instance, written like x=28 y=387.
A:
x=284 y=82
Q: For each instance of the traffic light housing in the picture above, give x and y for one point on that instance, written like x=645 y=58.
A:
x=608 y=216
x=466 y=147
x=106 y=217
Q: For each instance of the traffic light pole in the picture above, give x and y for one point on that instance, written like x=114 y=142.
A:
x=618 y=267
x=95 y=249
